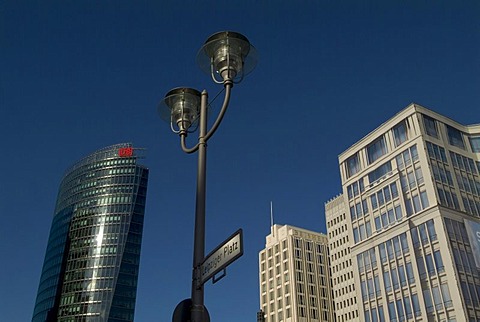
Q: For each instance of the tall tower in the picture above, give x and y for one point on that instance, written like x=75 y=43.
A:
x=294 y=276
x=92 y=259
x=411 y=191
x=344 y=289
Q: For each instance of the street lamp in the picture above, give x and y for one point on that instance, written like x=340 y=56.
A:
x=227 y=56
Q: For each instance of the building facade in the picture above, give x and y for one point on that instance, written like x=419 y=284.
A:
x=411 y=192
x=294 y=276
x=92 y=259
x=341 y=268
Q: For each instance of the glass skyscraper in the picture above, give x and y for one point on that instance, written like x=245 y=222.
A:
x=92 y=259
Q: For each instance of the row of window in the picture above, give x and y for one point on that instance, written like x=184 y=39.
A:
x=336 y=220
x=363 y=231
x=455 y=136
x=383 y=196
x=441 y=298
x=407 y=157
x=355 y=189
x=111 y=162
x=463 y=163
x=377 y=149
x=388 y=217
x=416 y=203
x=429 y=265
x=436 y=152
x=366 y=260
x=471 y=293
x=393 y=248
x=423 y=234
x=404 y=308
x=71 y=194
x=398 y=277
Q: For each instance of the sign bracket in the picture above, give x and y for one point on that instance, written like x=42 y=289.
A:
x=216 y=279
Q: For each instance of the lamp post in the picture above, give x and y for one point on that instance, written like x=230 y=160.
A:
x=227 y=56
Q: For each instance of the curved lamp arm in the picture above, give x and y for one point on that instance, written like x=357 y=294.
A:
x=184 y=145
x=203 y=138
x=228 y=89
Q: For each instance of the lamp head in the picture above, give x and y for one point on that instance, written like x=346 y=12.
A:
x=228 y=54
x=180 y=107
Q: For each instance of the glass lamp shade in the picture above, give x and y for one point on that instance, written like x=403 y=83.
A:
x=181 y=106
x=228 y=54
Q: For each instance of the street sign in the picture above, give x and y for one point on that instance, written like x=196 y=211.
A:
x=222 y=256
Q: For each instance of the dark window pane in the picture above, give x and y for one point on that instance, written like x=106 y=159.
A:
x=353 y=165
x=455 y=137
x=430 y=126
x=376 y=149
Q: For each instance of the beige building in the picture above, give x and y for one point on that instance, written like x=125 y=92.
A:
x=294 y=276
x=341 y=268
x=411 y=198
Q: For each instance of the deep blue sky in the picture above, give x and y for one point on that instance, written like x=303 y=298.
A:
x=76 y=76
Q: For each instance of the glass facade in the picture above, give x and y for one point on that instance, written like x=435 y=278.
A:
x=91 y=264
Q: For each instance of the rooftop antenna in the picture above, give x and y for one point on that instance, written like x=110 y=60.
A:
x=271 y=217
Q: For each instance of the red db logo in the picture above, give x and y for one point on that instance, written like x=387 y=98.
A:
x=125 y=152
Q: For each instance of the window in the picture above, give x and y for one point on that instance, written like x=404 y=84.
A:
x=437 y=298
x=424 y=197
x=431 y=230
x=438 y=261
x=376 y=149
x=373 y=200
x=400 y=133
x=408 y=307
x=378 y=224
x=428 y=300
x=416 y=305
x=475 y=144
x=393 y=188
x=377 y=285
x=430 y=126
x=392 y=312
x=379 y=172
x=401 y=314
x=430 y=266
x=374 y=315
x=386 y=281
x=410 y=276
x=447 y=300
x=401 y=275
x=381 y=314
x=395 y=278
x=455 y=137
x=368 y=228
x=355 y=235
x=421 y=267
x=353 y=165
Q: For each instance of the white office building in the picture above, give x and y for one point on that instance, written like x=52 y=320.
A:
x=294 y=276
x=410 y=222
x=341 y=268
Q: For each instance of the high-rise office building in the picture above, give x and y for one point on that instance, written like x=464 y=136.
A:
x=341 y=268
x=92 y=259
x=411 y=192
x=294 y=276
